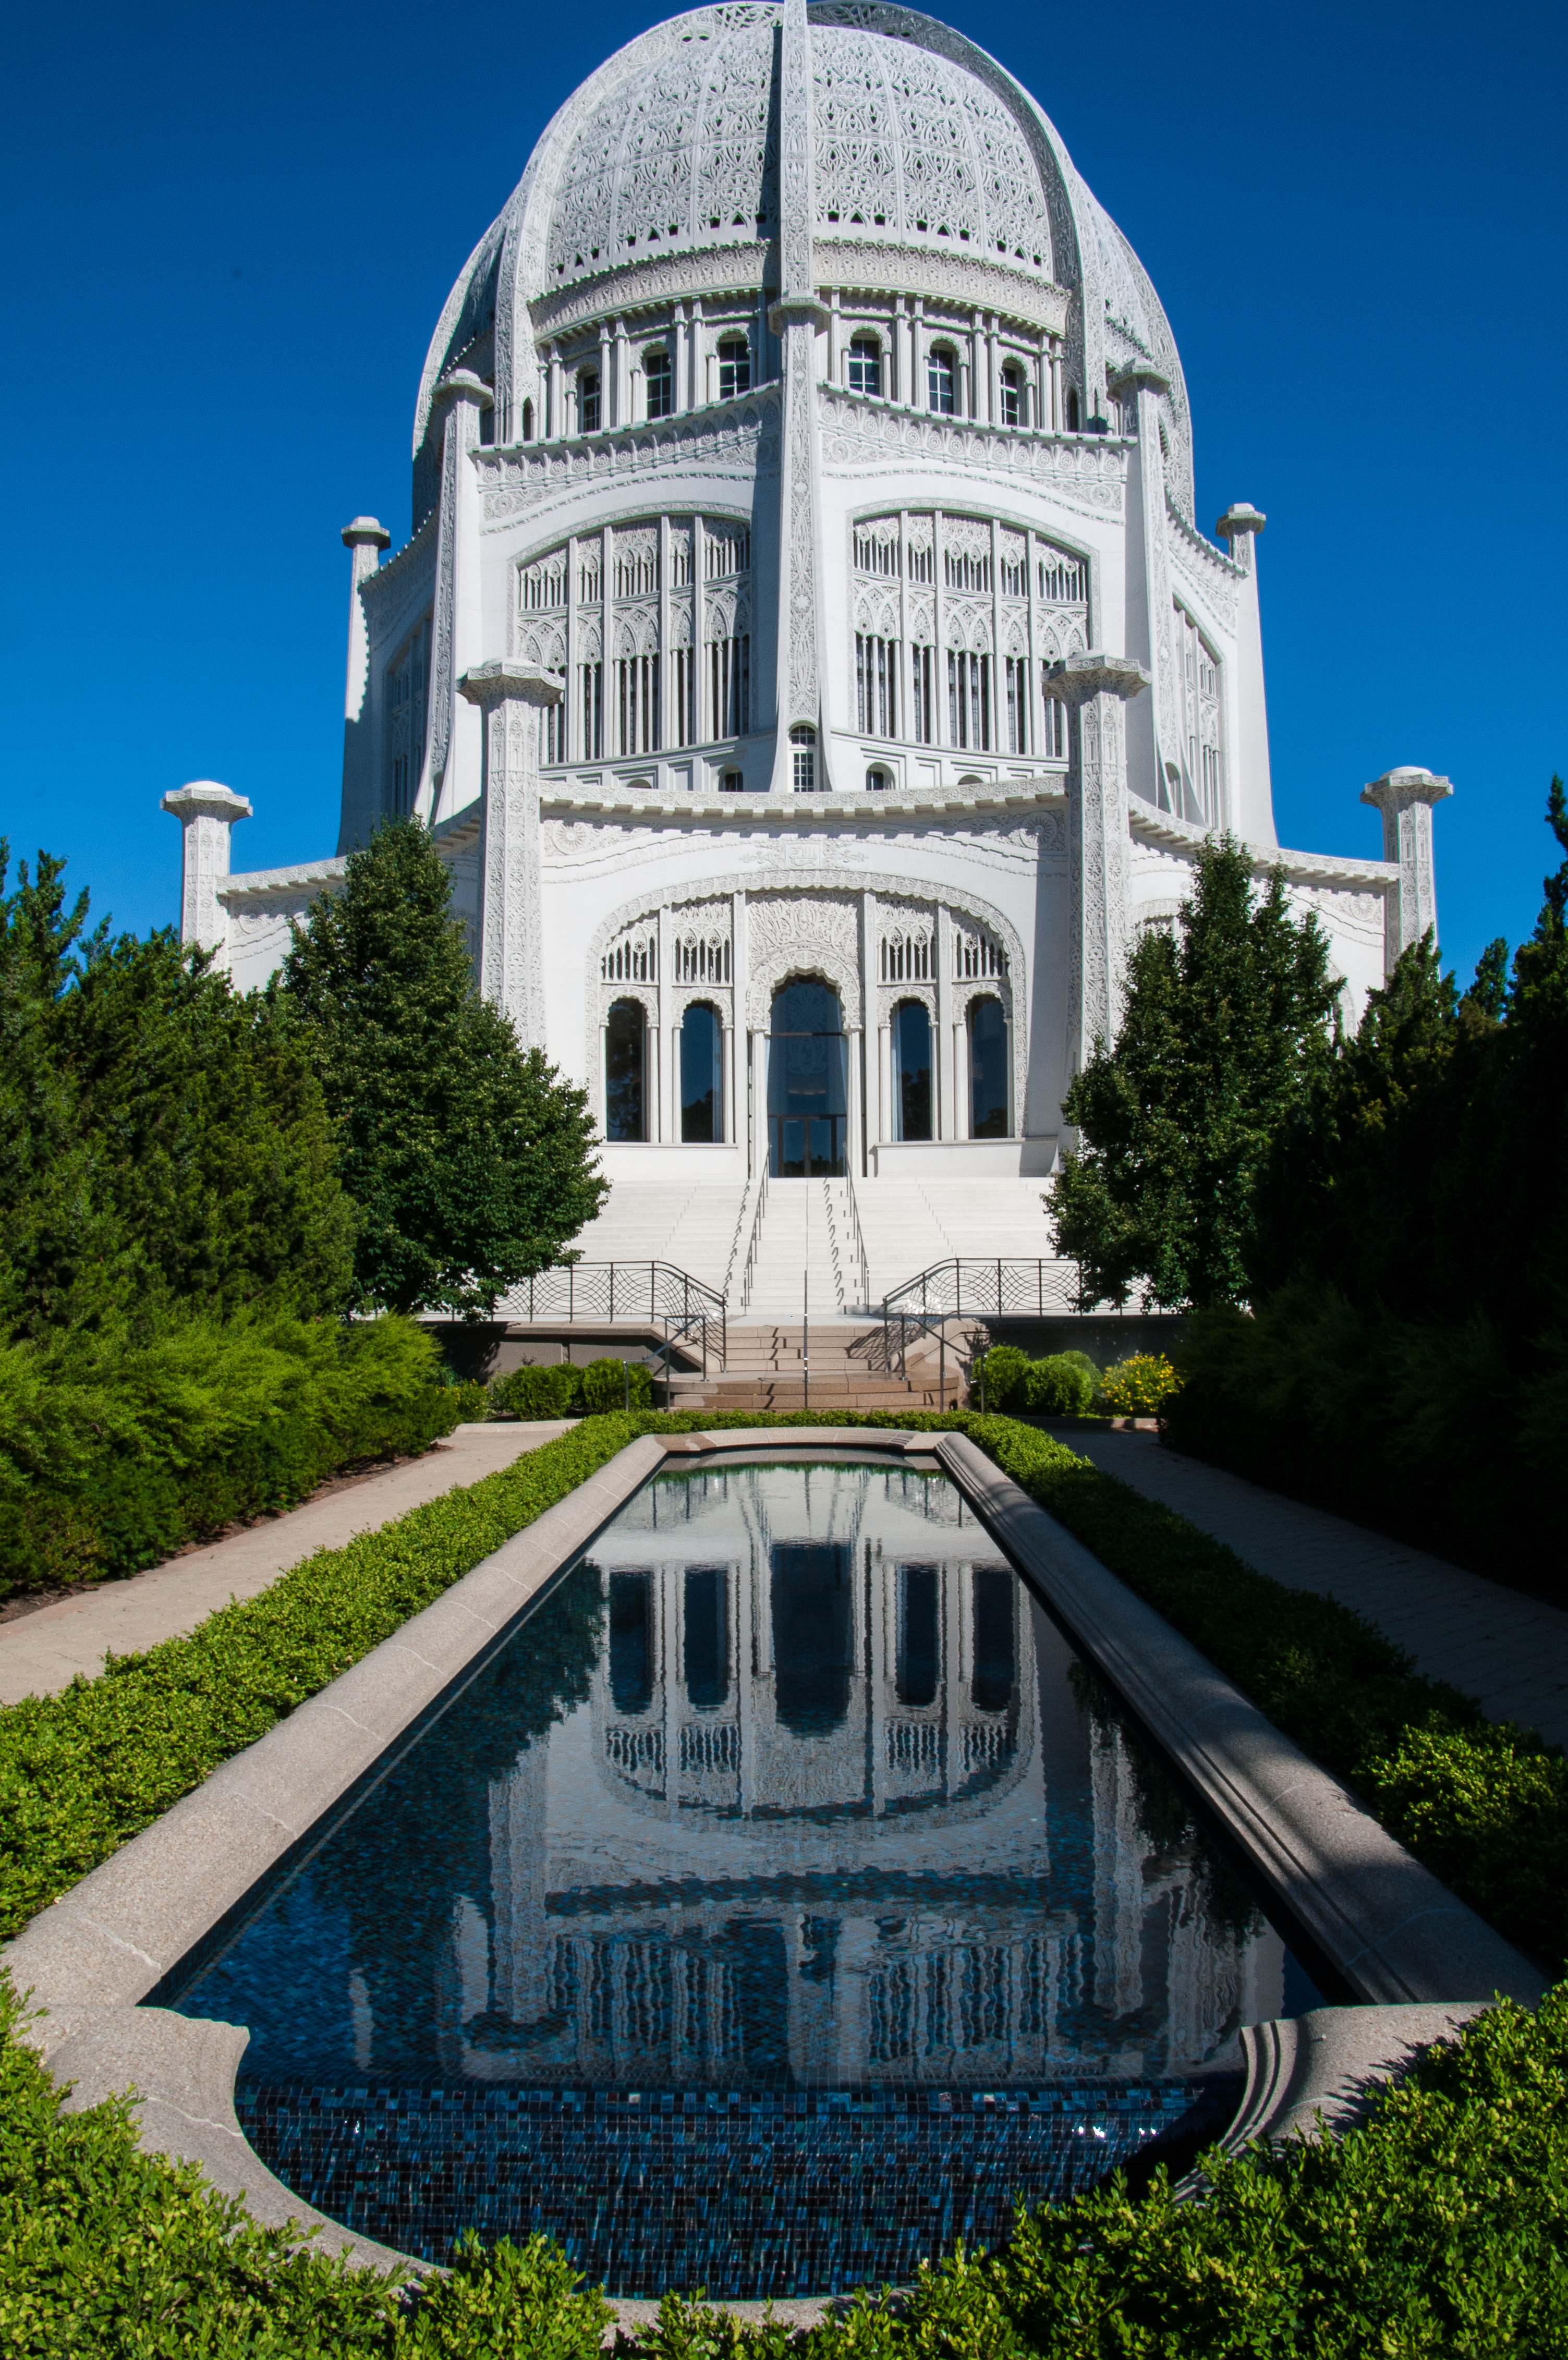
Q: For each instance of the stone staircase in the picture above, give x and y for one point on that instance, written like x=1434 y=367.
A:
x=766 y=1370
x=803 y=1241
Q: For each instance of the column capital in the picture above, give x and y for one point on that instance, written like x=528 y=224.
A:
x=804 y=311
x=205 y=799
x=503 y=676
x=1398 y=789
x=1095 y=673
x=462 y=385
x=1240 y=519
x=366 y=532
x=1139 y=377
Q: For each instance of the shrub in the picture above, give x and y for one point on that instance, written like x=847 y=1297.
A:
x=606 y=1385
x=1139 y=1386
x=1006 y=1373
x=472 y=1400
x=531 y=1392
x=112 y=1455
x=1063 y=1385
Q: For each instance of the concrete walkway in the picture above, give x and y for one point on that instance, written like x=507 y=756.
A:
x=1507 y=1651
x=41 y=1653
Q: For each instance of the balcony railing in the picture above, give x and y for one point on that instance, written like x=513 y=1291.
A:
x=651 y=1294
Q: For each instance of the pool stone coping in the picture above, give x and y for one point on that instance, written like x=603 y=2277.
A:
x=1423 y=1961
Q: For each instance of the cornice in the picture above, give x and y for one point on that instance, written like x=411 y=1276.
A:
x=1173 y=834
x=1200 y=547
x=399 y=571
x=657 y=279
x=256 y=884
x=513 y=476
x=1088 y=470
x=765 y=811
x=894 y=267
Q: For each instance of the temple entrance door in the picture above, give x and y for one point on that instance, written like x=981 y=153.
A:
x=808 y=1098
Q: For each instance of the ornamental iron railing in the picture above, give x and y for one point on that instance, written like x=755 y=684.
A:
x=651 y=1294
x=977 y=1286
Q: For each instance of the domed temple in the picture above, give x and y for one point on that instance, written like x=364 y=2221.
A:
x=807 y=654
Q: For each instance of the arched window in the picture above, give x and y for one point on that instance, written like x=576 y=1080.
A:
x=706 y=1636
x=877 y=781
x=587 y=401
x=865 y=366
x=630 y=1642
x=625 y=1061
x=942 y=381
x=527 y=422
x=702 y=1076
x=987 y=1070
x=808 y=1083
x=804 y=740
x=659 y=376
x=1011 y=395
x=1073 y=410
x=734 y=367
x=917 y=1660
x=911 y=1070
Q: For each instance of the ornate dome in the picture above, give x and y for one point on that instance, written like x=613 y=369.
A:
x=682 y=150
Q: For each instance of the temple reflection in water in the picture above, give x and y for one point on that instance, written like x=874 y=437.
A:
x=835 y=1813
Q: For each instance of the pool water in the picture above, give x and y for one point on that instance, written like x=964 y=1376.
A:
x=776 y=1905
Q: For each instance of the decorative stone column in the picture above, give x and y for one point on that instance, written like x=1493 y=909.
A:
x=510 y=697
x=1096 y=687
x=795 y=319
x=206 y=812
x=456 y=621
x=1156 y=729
x=1405 y=797
x=365 y=539
x=1249 y=793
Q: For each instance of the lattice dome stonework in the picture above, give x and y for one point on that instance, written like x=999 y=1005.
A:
x=806 y=589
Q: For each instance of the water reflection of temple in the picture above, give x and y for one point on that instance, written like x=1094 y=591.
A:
x=833 y=1814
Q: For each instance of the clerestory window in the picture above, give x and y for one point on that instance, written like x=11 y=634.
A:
x=942 y=381
x=660 y=378
x=734 y=367
x=865 y=366
x=587 y=401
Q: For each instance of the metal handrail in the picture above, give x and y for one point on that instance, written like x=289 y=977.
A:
x=857 y=1239
x=749 y=1266
x=654 y=1293
x=995 y=1286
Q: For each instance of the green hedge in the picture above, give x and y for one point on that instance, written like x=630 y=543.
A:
x=113 y=1455
x=1437 y=2229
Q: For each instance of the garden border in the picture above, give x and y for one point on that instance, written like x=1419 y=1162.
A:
x=94 y=1954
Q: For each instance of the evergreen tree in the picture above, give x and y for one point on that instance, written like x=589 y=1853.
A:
x=471 y=1162
x=1226 y=1026
x=163 y=1141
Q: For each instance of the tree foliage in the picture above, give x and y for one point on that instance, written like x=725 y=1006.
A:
x=470 y=1160
x=1225 y=1030
x=164 y=1144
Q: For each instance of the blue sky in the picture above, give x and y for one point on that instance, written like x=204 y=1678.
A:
x=230 y=234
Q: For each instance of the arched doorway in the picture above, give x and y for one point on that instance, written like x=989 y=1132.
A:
x=702 y=1074
x=808 y=1083
x=911 y=1070
x=625 y=1072
x=988 y=1069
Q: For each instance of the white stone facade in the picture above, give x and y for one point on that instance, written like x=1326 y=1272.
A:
x=806 y=585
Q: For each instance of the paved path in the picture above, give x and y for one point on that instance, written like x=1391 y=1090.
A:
x=39 y=1652
x=1508 y=1651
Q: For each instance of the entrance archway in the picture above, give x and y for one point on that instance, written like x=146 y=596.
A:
x=809 y=1100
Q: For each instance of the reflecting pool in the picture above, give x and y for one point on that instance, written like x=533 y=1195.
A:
x=777 y=1902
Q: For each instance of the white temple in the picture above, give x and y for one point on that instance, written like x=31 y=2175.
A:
x=807 y=653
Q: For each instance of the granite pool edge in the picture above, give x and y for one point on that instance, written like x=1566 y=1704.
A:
x=86 y=1971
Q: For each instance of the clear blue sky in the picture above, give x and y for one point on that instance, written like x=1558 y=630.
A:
x=231 y=231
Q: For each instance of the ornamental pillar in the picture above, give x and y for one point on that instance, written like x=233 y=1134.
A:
x=365 y=539
x=453 y=755
x=795 y=318
x=510 y=698
x=1096 y=687
x=1405 y=797
x=206 y=812
x=1249 y=792
x=1157 y=750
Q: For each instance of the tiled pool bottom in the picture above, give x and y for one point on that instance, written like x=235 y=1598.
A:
x=749 y=2194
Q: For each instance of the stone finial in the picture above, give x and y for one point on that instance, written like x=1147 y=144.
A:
x=1405 y=797
x=206 y=812
x=1139 y=377
x=1240 y=519
x=366 y=532
x=487 y=684
x=1096 y=674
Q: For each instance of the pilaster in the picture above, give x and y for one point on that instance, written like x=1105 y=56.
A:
x=453 y=756
x=206 y=812
x=1154 y=730
x=365 y=539
x=1405 y=797
x=1097 y=686
x=508 y=698
x=1249 y=786
x=796 y=317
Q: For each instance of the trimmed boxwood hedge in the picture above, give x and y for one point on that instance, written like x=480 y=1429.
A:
x=1434 y=2230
